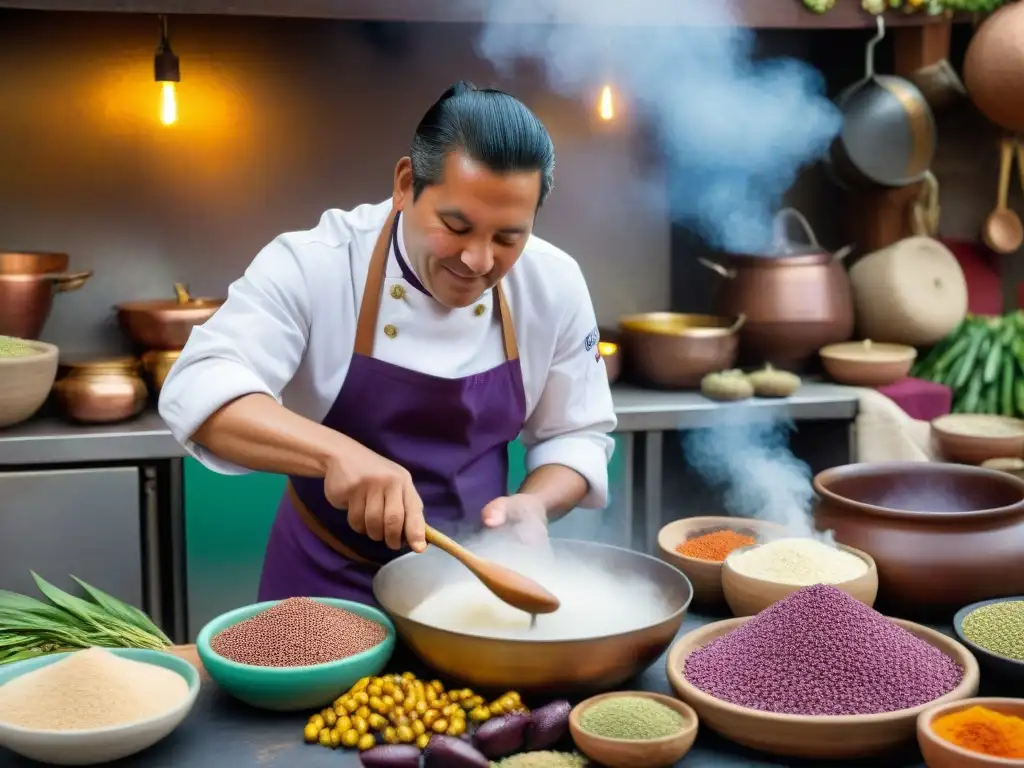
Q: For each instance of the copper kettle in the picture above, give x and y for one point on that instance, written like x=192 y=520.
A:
x=796 y=299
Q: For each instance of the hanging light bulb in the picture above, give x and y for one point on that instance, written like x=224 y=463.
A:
x=167 y=72
x=605 y=106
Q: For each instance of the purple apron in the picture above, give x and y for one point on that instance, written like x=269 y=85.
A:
x=452 y=436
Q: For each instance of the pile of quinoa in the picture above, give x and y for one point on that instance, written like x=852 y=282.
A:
x=821 y=652
x=298 y=632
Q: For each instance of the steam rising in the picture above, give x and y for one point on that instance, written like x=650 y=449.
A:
x=760 y=476
x=735 y=132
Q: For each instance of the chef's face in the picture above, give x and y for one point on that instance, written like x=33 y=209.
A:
x=463 y=234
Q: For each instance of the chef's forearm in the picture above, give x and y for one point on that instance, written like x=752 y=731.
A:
x=559 y=488
x=257 y=432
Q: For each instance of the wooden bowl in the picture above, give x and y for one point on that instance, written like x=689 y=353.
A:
x=1001 y=666
x=971 y=438
x=747 y=595
x=939 y=753
x=630 y=753
x=867 y=364
x=706 y=575
x=811 y=736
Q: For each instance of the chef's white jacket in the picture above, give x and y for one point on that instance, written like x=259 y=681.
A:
x=288 y=326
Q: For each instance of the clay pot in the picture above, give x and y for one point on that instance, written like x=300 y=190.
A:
x=994 y=67
x=796 y=299
x=942 y=535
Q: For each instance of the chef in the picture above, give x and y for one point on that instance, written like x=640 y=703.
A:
x=384 y=360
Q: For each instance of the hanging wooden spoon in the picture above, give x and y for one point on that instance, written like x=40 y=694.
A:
x=507 y=585
x=1003 y=231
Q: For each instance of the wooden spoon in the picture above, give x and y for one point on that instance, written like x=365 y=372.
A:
x=509 y=586
x=1003 y=231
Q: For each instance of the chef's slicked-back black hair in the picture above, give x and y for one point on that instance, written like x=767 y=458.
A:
x=491 y=127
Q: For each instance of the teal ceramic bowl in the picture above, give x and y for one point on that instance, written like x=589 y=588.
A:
x=287 y=689
x=98 y=745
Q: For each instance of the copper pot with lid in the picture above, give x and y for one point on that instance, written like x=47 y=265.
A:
x=796 y=299
x=101 y=391
x=28 y=282
x=165 y=323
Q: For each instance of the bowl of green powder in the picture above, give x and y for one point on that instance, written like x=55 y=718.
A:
x=633 y=729
x=994 y=631
x=27 y=372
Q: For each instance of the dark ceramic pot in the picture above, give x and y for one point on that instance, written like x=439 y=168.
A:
x=942 y=535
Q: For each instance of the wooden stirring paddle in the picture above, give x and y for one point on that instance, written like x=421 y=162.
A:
x=507 y=585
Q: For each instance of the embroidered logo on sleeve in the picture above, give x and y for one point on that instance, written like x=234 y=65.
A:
x=590 y=343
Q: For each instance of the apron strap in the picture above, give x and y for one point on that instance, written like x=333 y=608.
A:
x=369 y=308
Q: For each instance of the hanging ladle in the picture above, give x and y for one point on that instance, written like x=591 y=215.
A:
x=507 y=585
x=1003 y=231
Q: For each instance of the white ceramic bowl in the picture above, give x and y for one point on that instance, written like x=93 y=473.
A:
x=99 y=745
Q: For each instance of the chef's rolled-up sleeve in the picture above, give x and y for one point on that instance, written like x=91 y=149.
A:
x=253 y=344
x=573 y=419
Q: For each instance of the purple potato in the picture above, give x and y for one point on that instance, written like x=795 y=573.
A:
x=391 y=756
x=501 y=736
x=452 y=752
x=548 y=725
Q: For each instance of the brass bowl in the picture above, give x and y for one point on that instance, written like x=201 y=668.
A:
x=942 y=535
x=748 y=595
x=101 y=391
x=939 y=753
x=706 y=575
x=165 y=324
x=595 y=663
x=675 y=350
x=157 y=364
x=811 y=736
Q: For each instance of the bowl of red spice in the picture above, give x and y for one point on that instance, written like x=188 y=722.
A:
x=818 y=675
x=293 y=654
x=698 y=546
x=973 y=733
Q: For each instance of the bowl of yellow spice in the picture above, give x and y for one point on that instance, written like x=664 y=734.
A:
x=27 y=372
x=633 y=729
x=973 y=733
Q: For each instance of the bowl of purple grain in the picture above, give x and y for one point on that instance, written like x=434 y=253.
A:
x=295 y=654
x=818 y=675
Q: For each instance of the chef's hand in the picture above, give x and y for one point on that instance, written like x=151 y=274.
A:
x=524 y=512
x=381 y=500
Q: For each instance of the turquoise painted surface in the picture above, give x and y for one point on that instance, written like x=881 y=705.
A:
x=227 y=524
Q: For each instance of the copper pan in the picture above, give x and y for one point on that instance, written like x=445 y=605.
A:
x=596 y=662
x=32 y=262
x=674 y=350
x=101 y=391
x=165 y=323
x=26 y=300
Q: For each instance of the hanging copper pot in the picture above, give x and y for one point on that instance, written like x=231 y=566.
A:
x=796 y=299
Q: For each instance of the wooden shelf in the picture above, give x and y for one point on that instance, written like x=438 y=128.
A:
x=762 y=14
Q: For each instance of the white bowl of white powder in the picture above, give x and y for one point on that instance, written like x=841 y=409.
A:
x=93 y=706
x=754 y=578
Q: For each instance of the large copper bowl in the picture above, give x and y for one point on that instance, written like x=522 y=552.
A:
x=588 y=664
x=942 y=535
x=165 y=324
x=674 y=350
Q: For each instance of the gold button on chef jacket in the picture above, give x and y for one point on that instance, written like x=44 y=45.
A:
x=288 y=330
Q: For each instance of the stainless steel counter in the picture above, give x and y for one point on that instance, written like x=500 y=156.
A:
x=49 y=440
